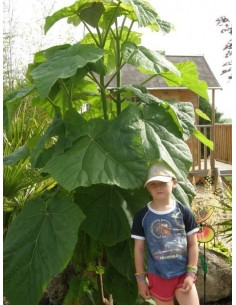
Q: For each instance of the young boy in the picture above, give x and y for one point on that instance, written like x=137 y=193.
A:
x=168 y=229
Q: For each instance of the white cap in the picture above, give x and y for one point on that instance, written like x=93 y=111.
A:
x=159 y=172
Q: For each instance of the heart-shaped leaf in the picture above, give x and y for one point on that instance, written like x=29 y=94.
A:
x=39 y=244
x=63 y=64
x=106 y=202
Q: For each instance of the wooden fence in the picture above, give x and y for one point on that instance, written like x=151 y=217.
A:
x=203 y=158
x=223 y=143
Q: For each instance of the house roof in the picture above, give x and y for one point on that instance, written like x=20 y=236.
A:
x=131 y=75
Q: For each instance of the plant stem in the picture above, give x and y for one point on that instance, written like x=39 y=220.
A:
x=109 y=26
x=118 y=78
x=91 y=33
x=103 y=97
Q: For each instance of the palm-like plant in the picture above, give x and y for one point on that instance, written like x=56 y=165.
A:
x=20 y=181
x=225 y=200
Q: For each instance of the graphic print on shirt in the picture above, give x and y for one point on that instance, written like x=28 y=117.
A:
x=168 y=237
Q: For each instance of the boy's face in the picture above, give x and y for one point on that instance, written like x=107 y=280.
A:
x=161 y=190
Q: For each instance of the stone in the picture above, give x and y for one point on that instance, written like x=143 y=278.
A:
x=218 y=278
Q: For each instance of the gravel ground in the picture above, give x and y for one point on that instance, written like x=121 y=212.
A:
x=205 y=198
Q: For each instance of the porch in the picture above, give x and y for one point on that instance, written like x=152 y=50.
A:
x=217 y=163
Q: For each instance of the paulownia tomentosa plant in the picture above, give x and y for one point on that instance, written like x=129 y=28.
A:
x=98 y=147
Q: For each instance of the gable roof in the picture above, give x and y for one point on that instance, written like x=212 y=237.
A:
x=131 y=75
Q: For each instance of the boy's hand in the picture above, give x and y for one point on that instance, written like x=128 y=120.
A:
x=187 y=284
x=143 y=290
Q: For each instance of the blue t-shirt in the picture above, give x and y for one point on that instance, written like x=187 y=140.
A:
x=165 y=233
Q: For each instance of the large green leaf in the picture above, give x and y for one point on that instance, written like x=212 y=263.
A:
x=40 y=155
x=188 y=78
x=169 y=106
x=117 y=152
x=121 y=257
x=135 y=199
x=106 y=202
x=165 y=26
x=108 y=152
x=163 y=135
x=92 y=14
x=39 y=244
x=187 y=118
x=184 y=191
x=144 y=12
x=90 y=9
x=201 y=137
x=146 y=16
x=62 y=13
x=63 y=64
x=112 y=11
x=146 y=60
x=179 y=125
x=202 y=114
x=124 y=291
x=164 y=141
x=185 y=113
x=80 y=91
x=86 y=250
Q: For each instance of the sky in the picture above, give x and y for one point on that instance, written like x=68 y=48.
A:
x=196 y=33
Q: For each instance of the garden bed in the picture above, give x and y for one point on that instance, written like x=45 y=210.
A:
x=207 y=198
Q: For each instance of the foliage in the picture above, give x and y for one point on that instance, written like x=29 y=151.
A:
x=20 y=181
x=47 y=216
x=206 y=108
x=226 y=27
x=98 y=147
x=216 y=200
x=220 y=247
x=10 y=73
x=21 y=38
x=225 y=200
x=205 y=114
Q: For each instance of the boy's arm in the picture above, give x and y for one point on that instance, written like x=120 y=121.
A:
x=139 y=248
x=192 y=261
x=192 y=249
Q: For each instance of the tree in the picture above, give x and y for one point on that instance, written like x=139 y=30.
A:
x=10 y=72
x=19 y=42
x=226 y=25
x=98 y=156
x=206 y=107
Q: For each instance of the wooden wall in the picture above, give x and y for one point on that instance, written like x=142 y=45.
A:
x=181 y=95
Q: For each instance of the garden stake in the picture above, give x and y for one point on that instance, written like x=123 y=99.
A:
x=205 y=235
x=204 y=275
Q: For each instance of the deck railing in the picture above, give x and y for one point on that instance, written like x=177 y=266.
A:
x=223 y=143
x=203 y=158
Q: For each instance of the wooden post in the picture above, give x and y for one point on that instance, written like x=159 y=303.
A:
x=212 y=133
